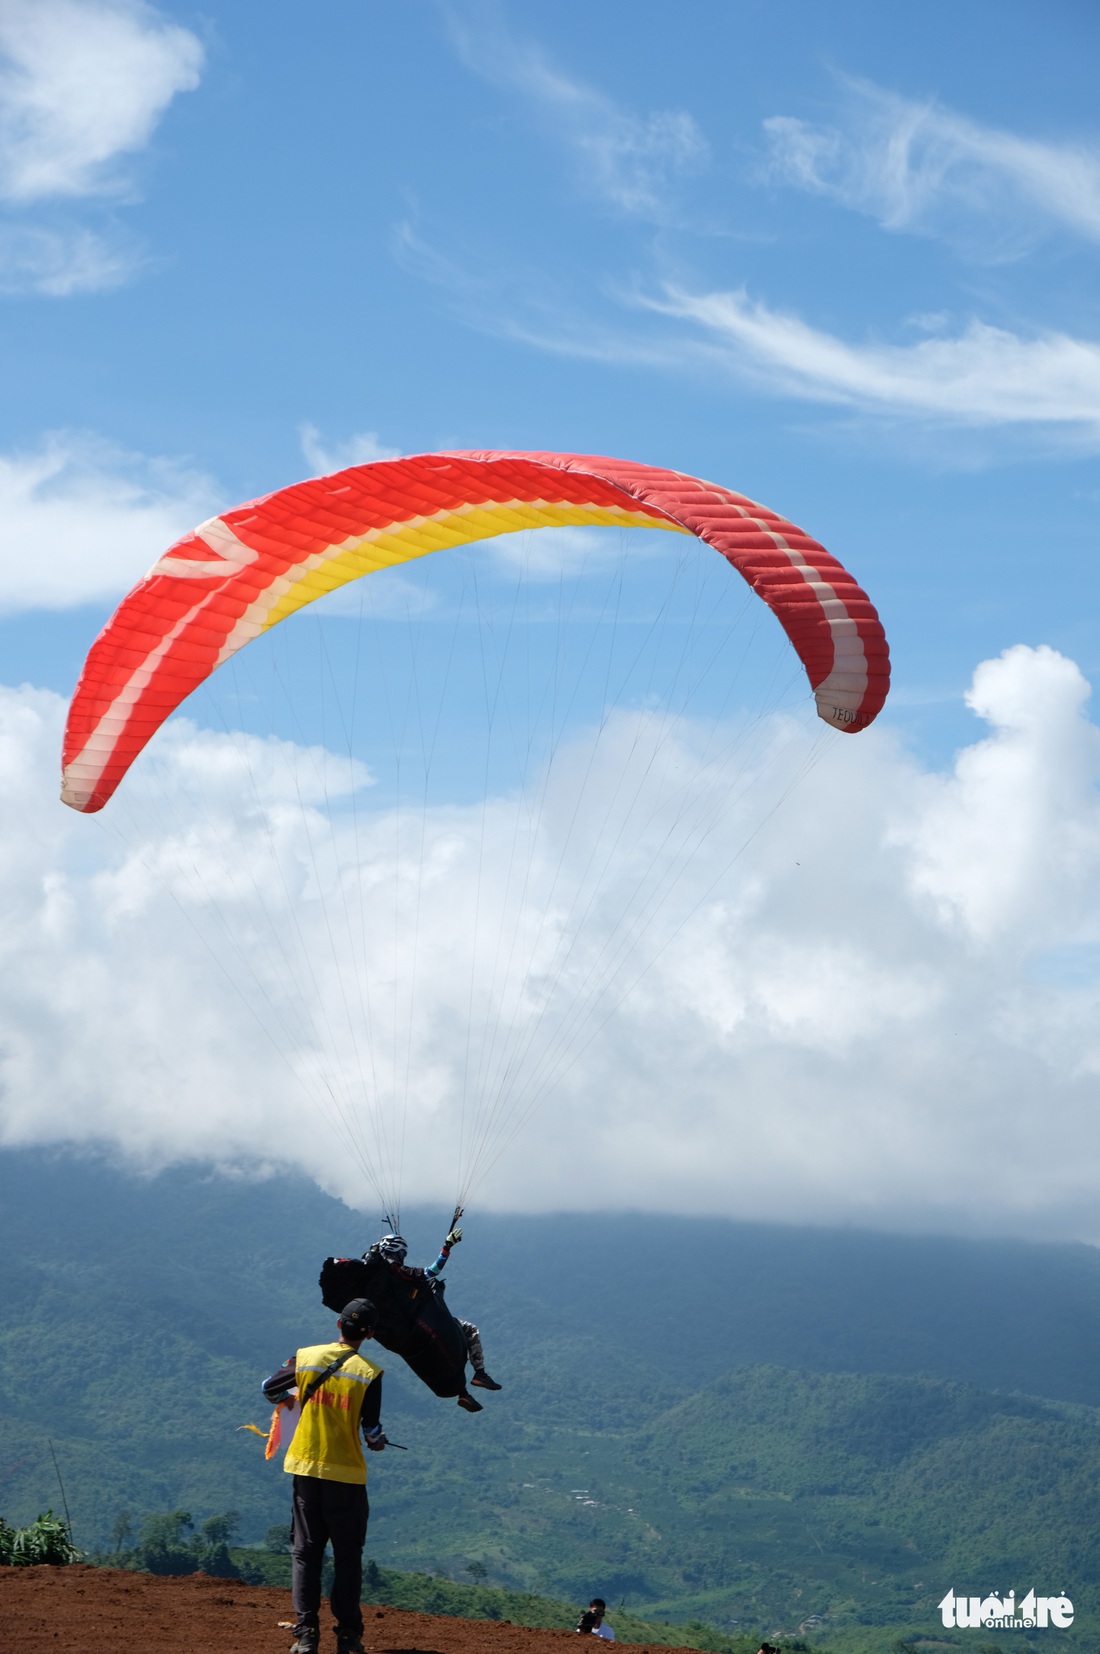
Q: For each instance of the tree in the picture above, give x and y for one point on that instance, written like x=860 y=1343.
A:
x=122 y=1531
x=168 y=1544
x=219 y=1530
x=211 y=1545
x=165 y=1545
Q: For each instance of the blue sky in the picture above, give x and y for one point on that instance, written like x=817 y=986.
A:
x=503 y=226
x=842 y=257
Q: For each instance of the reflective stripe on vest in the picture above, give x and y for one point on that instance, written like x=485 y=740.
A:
x=326 y=1442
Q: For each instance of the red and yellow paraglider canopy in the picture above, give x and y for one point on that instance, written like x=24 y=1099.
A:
x=242 y=572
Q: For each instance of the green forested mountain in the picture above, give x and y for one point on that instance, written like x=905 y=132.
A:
x=652 y=1441
x=770 y=1496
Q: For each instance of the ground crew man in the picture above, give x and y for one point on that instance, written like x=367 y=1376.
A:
x=339 y=1397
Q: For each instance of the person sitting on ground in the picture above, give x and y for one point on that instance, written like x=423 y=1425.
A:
x=392 y=1250
x=592 y=1620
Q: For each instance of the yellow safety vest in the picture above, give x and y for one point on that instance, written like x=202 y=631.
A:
x=326 y=1442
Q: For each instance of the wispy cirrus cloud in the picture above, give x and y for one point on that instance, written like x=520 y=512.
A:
x=978 y=375
x=634 y=162
x=914 y=166
x=83 y=84
x=60 y=260
x=522 y=303
x=917 y=166
x=547 y=555
x=981 y=376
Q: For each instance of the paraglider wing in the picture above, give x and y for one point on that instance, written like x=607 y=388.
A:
x=242 y=572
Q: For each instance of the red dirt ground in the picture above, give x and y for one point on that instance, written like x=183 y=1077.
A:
x=81 y=1610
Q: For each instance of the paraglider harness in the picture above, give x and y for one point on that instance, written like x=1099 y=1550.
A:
x=413 y=1319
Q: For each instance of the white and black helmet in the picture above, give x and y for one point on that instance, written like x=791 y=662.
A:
x=393 y=1249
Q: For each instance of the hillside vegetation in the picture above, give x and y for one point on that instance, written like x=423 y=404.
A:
x=654 y=1441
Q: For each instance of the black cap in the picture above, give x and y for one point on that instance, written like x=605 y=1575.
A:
x=358 y=1318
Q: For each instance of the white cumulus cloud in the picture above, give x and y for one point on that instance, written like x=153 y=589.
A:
x=1009 y=841
x=83 y=84
x=856 y=1007
x=82 y=520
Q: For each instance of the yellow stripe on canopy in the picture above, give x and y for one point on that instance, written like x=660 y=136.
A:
x=389 y=547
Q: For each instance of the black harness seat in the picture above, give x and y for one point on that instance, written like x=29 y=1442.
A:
x=413 y=1319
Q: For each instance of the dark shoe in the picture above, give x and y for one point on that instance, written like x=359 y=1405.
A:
x=469 y=1403
x=349 y=1645
x=482 y=1381
x=307 y=1639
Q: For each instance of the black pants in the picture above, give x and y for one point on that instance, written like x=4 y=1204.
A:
x=323 y=1511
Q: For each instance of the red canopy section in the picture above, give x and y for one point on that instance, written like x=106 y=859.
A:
x=245 y=570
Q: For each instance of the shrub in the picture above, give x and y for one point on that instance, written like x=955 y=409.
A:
x=47 y=1539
